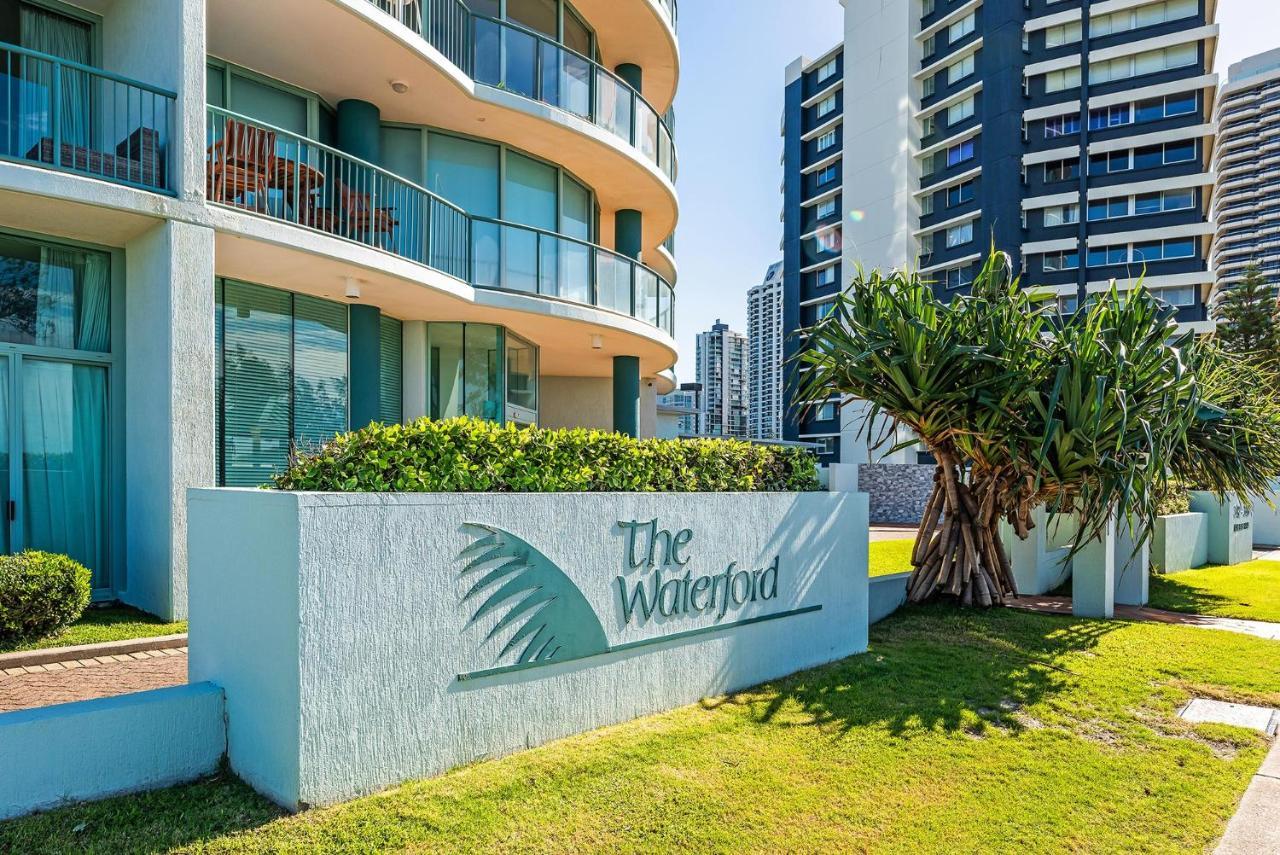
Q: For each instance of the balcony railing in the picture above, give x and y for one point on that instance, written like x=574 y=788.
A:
x=68 y=116
x=516 y=59
x=269 y=171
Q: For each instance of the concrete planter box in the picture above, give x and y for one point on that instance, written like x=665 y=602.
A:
x=1266 y=519
x=1230 y=528
x=352 y=657
x=1180 y=542
x=887 y=594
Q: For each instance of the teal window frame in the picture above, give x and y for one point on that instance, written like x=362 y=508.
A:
x=504 y=336
x=220 y=389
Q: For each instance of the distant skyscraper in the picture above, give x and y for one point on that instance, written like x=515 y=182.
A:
x=764 y=375
x=1247 y=204
x=722 y=371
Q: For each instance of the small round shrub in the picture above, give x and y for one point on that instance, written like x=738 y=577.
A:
x=40 y=594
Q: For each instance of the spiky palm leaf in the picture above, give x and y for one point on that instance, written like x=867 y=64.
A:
x=541 y=607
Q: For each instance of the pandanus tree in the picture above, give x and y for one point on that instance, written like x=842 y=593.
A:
x=1022 y=407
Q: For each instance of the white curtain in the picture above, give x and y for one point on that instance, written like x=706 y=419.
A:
x=66 y=39
x=56 y=298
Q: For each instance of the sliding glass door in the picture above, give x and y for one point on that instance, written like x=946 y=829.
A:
x=53 y=420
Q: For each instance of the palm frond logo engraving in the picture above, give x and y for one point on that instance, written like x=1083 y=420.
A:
x=552 y=619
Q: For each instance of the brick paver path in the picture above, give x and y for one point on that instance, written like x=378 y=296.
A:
x=1062 y=606
x=80 y=680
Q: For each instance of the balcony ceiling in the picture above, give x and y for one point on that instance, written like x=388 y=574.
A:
x=343 y=49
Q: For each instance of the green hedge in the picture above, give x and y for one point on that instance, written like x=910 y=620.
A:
x=473 y=456
x=40 y=595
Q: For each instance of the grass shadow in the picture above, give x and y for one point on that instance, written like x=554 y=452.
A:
x=160 y=821
x=932 y=667
x=1172 y=595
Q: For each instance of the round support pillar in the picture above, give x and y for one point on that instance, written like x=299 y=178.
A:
x=632 y=74
x=626 y=395
x=364 y=357
x=360 y=130
x=628 y=233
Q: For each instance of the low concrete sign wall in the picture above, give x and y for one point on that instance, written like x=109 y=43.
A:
x=1230 y=528
x=363 y=640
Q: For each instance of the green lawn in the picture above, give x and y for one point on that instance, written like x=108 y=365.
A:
x=116 y=623
x=996 y=732
x=891 y=556
x=1250 y=591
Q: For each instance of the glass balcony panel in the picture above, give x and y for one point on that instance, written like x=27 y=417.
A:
x=613 y=282
x=520 y=63
x=613 y=106
x=575 y=271
x=486 y=254
x=647 y=131
x=487 y=54
x=647 y=296
x=575 y=84
x=520 y=259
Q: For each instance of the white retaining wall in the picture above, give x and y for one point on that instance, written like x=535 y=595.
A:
x=338 y=628
x=94 y=749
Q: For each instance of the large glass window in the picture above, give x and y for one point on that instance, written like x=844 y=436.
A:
x=529 y=192
x=476 y=369
x=465 y=172
x=282 y=372
x=54 y=296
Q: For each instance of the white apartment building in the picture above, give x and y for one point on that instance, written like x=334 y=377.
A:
x=722 y=373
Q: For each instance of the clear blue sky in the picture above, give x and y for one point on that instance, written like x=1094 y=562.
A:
x=734 y=54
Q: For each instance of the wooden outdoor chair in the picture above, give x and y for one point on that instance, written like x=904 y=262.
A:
x=361 y=217
x=241 y=165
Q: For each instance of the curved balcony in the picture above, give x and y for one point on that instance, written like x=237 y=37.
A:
x=268 y=171
x=513 y=58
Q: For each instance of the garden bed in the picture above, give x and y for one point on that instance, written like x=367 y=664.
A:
x=994 y=732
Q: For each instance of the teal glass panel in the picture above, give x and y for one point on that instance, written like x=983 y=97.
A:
x=541 y=16
x=402 y=153
x=575 y=210
x=522 y=373
x=482 y=371
x=6 y=542
x=270 y=104
x=529 y=192
x=215 y=78
x=54 y=296
x=391 y=367
x=464 y=172
x=257 y=365
x=64 y=461
x=319 y=370
x=444 y=344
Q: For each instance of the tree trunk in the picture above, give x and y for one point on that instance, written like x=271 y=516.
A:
x=958 y=550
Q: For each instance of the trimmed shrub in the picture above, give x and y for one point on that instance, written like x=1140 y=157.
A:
x=1175 y=499
x=472 y=456
x=40 y=594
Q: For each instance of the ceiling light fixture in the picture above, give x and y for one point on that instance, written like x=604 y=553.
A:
x=399 y=87
x=597 y=342
x=353 y=288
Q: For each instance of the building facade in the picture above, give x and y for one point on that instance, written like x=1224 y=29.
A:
x=1076 y=135
x=679 y=411
x=722 y=374
x=220 y=244
x=1247 y=201
x=764 y=342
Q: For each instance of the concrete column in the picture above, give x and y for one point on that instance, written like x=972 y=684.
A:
x=360 y=130
x=1093 y=579
x=626 y=395
x=628 y=233
x=1038 y=566
x=414 y=370
x=364 y=359
x=169 y=408
x=1132 y=568
x=632 y=74
x=162 y=42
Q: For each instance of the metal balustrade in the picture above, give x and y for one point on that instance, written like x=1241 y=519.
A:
x=67 y=116
x=516 y=59
x=269 y=171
